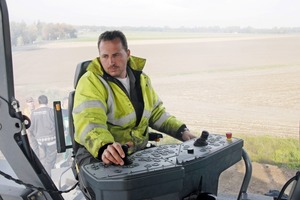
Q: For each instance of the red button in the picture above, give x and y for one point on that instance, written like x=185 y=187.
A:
x=228 y=136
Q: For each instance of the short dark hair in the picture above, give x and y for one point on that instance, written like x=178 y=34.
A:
x=43 y=99
x=111 y=35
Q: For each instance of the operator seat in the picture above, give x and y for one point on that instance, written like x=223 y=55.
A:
x=80 y=70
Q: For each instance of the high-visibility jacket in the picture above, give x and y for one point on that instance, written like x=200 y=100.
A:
x=104 y=113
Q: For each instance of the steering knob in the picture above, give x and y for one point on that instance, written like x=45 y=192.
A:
x=202 y=140
x=126 y=160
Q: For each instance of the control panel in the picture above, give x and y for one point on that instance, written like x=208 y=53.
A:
x=171 y=171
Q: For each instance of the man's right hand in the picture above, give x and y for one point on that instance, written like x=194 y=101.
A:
x=113 y=154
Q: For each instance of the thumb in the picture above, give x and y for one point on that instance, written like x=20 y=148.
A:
x=129 y=144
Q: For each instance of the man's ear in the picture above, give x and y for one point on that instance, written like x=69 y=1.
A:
x=128 y=53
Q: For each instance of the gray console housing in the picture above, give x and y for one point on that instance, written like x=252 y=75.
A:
x=171 y=171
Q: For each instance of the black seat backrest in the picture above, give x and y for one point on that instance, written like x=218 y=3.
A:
x=80 y=70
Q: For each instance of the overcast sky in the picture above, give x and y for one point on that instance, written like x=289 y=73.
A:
x=172 y=13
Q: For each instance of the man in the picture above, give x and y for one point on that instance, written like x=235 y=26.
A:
x=30 y=106
x=116 y=104
x=43 y=130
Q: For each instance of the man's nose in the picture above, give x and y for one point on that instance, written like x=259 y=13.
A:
x=111 y=61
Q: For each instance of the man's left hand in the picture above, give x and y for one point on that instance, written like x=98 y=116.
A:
x=187 y=135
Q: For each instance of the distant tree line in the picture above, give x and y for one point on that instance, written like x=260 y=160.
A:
x=209 y=29
x=24 y=34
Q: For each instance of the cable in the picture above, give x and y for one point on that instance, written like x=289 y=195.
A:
x=59 y=183
x=27 y=185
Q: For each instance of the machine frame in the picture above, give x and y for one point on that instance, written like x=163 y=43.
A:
x=14 y=143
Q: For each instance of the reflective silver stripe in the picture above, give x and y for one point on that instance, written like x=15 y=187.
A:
x=89 y=128
x=46 y=139
x=157 y=103
x=147 y=114
x=51 y=143
x=123 y=120
x=161 y=120
x=89 y=104
x=111 y=107
x=110 y=100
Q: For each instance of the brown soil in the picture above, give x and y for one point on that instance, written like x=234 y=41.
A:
x=246 y=85
x=264 y=178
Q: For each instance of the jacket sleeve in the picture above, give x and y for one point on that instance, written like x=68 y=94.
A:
x=161 y=120
x=89 y=114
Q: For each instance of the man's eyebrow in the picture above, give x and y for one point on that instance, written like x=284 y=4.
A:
x=103 y=54
x=118 y=52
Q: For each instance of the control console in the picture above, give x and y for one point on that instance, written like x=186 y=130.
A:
x=171 y=171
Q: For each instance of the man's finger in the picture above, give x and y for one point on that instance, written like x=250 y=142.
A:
x=107 y=158
x=118 y=148
x=115 y=153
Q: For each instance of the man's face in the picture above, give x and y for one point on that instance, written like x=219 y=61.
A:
x=31 y=105
x=113 y=57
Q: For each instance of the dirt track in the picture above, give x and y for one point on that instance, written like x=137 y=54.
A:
x=247 y=86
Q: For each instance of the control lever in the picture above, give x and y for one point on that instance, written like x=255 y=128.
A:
x=126 y=160
x=201 y=141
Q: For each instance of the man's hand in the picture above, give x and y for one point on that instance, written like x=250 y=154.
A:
x=187 y=135
x=114 y=154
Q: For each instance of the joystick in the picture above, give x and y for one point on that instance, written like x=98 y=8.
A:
x=126 y=160
x=202 y=140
